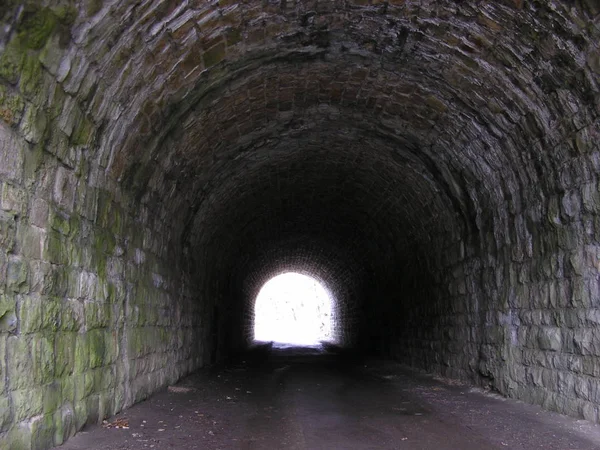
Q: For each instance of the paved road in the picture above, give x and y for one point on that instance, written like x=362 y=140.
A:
x=316 y=402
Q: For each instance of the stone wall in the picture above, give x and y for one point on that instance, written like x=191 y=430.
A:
x=94 y=313
x=521 y=316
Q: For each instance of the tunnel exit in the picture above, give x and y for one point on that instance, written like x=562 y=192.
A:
x=295 y=309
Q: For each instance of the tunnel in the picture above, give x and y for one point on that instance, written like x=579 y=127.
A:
x=433 y=163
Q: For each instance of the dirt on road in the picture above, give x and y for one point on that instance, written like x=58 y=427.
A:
x=298 y=399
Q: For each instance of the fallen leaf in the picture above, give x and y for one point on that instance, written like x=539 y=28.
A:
x=121 y=423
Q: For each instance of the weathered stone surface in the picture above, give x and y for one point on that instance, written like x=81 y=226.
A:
x=11 y=155
x=5 y=413
x=550 y=339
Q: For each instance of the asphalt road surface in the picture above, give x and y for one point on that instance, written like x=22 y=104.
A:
x=305 y=399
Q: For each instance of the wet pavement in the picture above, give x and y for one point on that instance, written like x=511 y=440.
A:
x=310 y=399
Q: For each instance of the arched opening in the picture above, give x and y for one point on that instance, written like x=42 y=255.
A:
x=294 y=309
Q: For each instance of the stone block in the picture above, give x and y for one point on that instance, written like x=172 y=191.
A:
x=566 y=384
x=32 y=241
x=13 y=199
x=60 y=221
x=106 y=404
x=7 y=231
x=20 y=437
x=70 y=116
x=19 y=362
x=65 y=186
x=80 y=413
x=8 y=313
x=87 y=285
x=96 y=347
x=64 y=424
x=42 y=432
x=44 y=358
x=16 y=275
x=549 y=338
x=589 y=411
x=39 y=213
x=33 y=124
x=52 y=397
x=80 y=389
x=11 y=106
x=577 y=262
x=93 y=409
x=589 y=366
x=55 y=250
x=51 y=313
x=65 y=353
x=27 y=403
x=214 y=55
x=89 y=206
x=5 y=413
x=587 y=342
x=68 y=388
x=582 y=388
x=30 y=314
x=72 y=317
x=82 y=356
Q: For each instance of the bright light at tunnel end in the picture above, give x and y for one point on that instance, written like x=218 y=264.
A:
x=293 y=309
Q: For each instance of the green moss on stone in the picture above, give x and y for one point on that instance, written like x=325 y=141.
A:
x=11 y=106
x=11 y=61
x=7 y=233
x=82 y=357
x=44 y=362
x=59 y=97
x=51 y=314
x=92 y=7
x=97 y=348
x=16 y=276
x=66 y=14
x=83 y=133
x=60 y=222
x=42 y=432
x=8 y=316
x=116 y=223
x=55 y=251
x=30 y=314
x=27 y=403
x=74 y=223
x=65 y=354
x=51 y=397
x=20 y=438
x=37 y=27
x=7 y=304
x=31 y=76
x=69 y=318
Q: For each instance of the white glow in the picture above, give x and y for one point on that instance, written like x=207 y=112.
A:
x=293 y=308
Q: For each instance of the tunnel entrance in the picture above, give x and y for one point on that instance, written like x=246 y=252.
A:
x=294 y=309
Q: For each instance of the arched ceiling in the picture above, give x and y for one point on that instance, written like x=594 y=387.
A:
x=390 y=128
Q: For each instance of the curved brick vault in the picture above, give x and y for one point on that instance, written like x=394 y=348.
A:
x=434 y=163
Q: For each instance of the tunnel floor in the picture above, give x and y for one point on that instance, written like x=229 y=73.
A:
x=307 y=399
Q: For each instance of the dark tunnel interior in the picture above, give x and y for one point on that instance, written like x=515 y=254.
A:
x=352 y=208
x=433 y=163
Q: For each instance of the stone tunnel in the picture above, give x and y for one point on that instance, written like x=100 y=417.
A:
x=434 y=163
